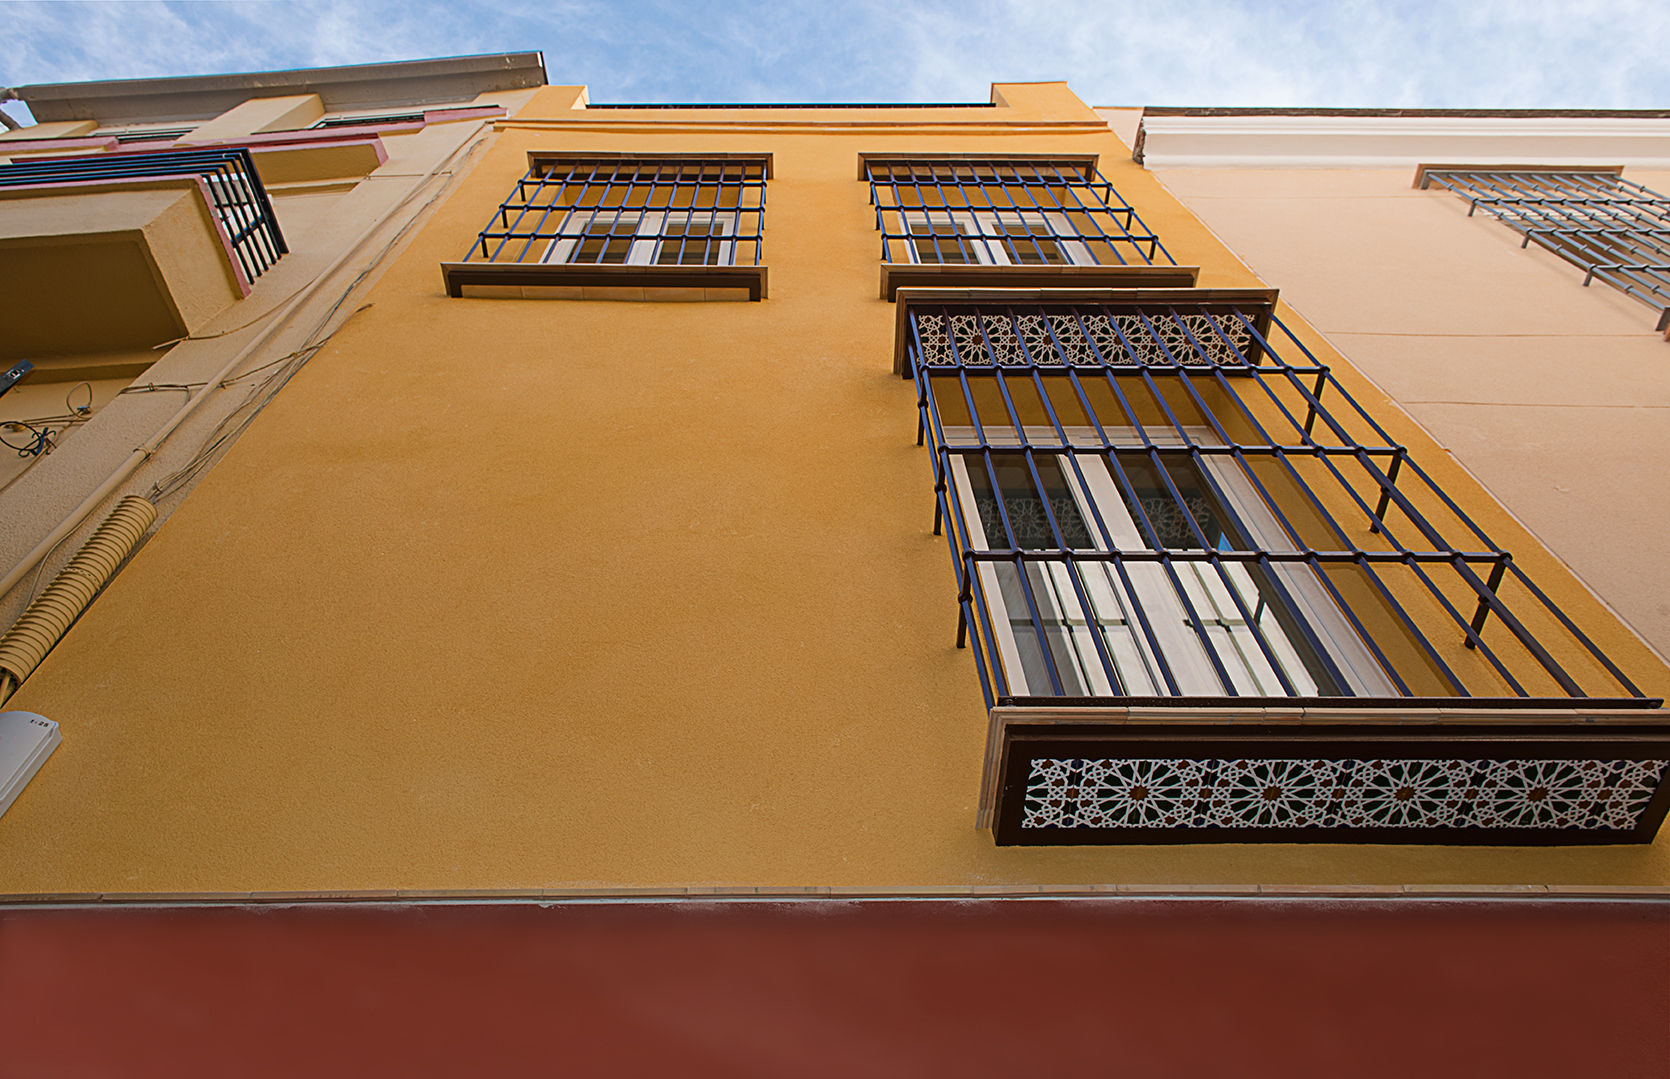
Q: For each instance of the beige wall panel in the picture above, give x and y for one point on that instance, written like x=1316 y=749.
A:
x=565 y=594
x=1556 y=395
x=55 y=129
x=260 y=114
x=1593 y=476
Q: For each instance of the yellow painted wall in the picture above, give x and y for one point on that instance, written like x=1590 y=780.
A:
x=588 y=595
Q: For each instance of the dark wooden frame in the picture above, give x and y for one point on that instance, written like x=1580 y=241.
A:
x=1578 y=738
x=456 y=275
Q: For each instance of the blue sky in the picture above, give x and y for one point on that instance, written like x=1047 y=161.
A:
x=1462 y=53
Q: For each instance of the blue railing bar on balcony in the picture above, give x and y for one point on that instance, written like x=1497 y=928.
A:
x=236 y=195
x=693 y=212
x=1147 y=397
x=1006 y=211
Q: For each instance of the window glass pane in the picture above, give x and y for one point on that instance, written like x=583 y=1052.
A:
x=606 y=241
x=1170 y=518
x=1024 y=506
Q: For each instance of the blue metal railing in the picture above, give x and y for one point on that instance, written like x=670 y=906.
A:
x=616 y=210
x=1149 y=500
x=236 y=195
x=1006 y=211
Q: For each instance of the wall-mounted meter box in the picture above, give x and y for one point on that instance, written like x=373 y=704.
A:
x=26 y=741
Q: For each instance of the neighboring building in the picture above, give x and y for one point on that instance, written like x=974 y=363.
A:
x=1553 y=395
x=596 y=558
x=160 y=236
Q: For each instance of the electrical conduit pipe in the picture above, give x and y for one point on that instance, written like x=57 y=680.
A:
x=279 y=320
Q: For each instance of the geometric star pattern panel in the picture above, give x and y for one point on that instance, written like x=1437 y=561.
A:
x=1079 y=339
x=1282 y=793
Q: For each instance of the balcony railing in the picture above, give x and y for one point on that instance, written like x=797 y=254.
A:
x=233 y=188
x=1188 y=558
x=1006 y=212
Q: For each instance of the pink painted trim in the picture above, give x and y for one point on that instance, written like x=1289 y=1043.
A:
x=84 y=142
x=471 y=112
x=285 y=138
x=257 y=144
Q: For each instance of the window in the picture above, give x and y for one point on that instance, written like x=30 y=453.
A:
x=642 y=238
x=625 y=223
x=1612 y=228
x=1269 y=630
x=1155 y=498
x=632 y=212
x=994 y=238
x=1005 y=212
x=373 y=119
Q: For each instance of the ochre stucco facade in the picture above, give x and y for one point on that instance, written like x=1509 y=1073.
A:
x=589 y=596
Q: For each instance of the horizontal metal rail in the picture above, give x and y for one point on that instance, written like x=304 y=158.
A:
x=361 y=121
x=1006 y=211
x=236 y=195
x=1612 y=228
x=616 y=211
x=1153 y=500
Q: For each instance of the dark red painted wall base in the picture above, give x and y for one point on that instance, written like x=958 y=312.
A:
x=993 y=987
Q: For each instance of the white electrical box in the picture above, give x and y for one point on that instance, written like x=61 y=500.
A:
x=26 y=741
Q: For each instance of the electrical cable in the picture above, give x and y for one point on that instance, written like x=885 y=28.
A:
x=447 y=169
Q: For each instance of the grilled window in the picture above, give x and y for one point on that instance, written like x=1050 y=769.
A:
x=1609 y=227
x=1006 y=212
x=1170 y=499
x=631 y=212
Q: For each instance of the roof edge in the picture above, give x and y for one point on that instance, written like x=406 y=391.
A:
x=187 y=97
x=1258 y=110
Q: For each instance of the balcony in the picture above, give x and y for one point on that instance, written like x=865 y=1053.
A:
x=128 y=249
x=1030 y=222
x=1210 y=598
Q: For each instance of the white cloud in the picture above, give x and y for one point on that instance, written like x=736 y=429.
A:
x=1527 y=53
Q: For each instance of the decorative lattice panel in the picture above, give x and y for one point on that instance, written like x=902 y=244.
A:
x=1116 y=793
x=1057 y=338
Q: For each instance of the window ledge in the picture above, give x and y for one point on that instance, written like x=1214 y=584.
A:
x=897 y=275
x=1371 y=771
x=567 y=281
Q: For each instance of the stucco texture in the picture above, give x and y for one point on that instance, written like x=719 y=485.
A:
x=1554 y=395
x=570 y=594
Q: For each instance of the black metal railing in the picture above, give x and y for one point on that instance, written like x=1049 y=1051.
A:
x=1612 y=228
x=362 y=121
x=1159 y=500
x=1006 y=211
x=235 y=193
x=631 y=211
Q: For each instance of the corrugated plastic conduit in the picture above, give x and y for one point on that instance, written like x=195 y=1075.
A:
x=279 y=320
x=49 y=617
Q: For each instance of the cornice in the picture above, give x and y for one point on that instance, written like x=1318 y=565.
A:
x=1168 y=140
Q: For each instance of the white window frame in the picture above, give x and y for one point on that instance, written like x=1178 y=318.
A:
x=1167 y=618
x=981 y=232
x=649 y=233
